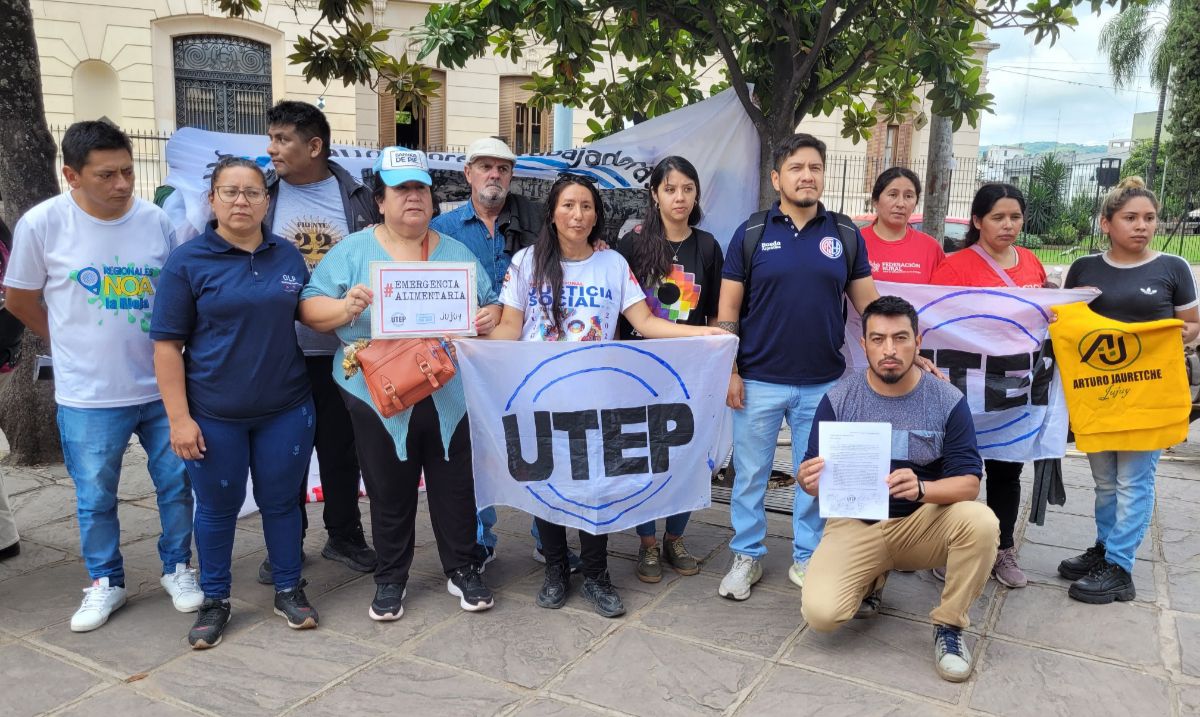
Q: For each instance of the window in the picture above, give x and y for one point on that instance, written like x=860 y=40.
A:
x=426 y=128
x=222 y=83
x=524 y=128
x=527 y=129
x=890 y=144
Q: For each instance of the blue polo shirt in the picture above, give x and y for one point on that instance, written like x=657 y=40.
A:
x=464 y=224
x=235 y=313
x=792 y=328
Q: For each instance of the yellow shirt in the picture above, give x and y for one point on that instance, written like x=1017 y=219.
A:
x=1125 y=384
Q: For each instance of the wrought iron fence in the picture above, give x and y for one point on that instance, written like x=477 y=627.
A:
x=849 y=179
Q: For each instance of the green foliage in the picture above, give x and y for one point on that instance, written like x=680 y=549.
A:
x=1080 y=215
x=1044 y=196
x=1184 y=121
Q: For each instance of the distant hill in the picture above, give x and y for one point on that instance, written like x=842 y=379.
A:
x=1036 y=148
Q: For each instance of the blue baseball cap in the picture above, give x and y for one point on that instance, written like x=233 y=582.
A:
x=397 y=165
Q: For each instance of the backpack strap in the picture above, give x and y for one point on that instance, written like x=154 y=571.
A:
x=848 y=233
x=755 y=226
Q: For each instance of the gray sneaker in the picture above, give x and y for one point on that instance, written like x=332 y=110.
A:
x=649 y=567
x=1006 y=571
x=744 y=572
x=950 y=654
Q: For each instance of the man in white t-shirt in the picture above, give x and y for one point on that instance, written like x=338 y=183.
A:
x=93 y=255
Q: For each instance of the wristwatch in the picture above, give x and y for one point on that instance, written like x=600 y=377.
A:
x=920 y=490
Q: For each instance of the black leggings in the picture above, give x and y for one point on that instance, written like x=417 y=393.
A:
x=593 y=549
x=392 y=488
x=1004 y=496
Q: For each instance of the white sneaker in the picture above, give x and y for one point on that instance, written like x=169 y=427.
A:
x=744 y=572
x=183 y=588
x=797 y=571
x=99 y=601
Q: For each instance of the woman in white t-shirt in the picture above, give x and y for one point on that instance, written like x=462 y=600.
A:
x=563 y=289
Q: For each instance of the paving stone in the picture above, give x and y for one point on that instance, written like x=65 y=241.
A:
x=916 y=594
x=137 y=523
x=1189 y=700
x=1188 y=629
x=1046 y=616
x=33 y=556
x=152 y=632
x=17 y=481
x=1167 y=488
x=759 y=625
x=44 y=597
x=1183 y=587
x=428 y=605
x=514 y=641
x=42 y=505
x=35 y=682
x=135 y=482
x=659 y=676
x=122 y=701
x=1183 y=515
x=775 y=564
x=405 y=686
x=264 y=670
x=792 y=692
x=1077 y=533
x=1010 y=675
x=322 y=575
x=1181 y=547
x=1040 y=563
x=553 y=708
x=885 y=650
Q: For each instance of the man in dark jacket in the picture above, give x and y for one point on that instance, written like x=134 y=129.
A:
x=315 y=203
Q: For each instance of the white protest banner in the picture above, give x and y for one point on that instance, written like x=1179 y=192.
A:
x=415 y=299
x=715 y=135
x=994 y=345
x=600 y=436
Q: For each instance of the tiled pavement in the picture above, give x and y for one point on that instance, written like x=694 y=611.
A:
x=680 y=650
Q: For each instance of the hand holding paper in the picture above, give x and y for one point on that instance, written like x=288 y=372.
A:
x=853 y=479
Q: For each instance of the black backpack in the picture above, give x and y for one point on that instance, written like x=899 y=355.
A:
x=757 y=225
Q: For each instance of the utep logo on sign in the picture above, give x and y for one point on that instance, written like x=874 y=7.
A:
x=597 y=435
x=1109 y=349
x=667 y=426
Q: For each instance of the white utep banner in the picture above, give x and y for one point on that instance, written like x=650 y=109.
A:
x=994 y=345
x=598 y=436
x=716 y=135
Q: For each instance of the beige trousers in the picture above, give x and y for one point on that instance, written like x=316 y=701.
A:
x=853 y=559
x=8 y=524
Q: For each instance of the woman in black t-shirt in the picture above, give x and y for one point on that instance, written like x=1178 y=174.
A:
x=679 y=267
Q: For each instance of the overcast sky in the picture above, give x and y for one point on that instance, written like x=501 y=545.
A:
x=1059 y=93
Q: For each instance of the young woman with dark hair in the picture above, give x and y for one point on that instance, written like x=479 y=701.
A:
x=538 y=306
x=897 y=251
x=679 y=268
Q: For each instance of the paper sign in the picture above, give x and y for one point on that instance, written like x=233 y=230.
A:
x=415 y=299
x=858 y=456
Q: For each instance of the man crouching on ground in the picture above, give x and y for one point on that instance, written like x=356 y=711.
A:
x=933 y=519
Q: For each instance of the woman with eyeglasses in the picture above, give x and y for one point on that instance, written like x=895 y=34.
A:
x=238 y=399
x=537 y=307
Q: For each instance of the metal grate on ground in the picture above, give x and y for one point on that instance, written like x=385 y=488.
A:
x=778 y=499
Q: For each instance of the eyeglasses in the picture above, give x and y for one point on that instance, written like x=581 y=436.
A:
x=253 y=195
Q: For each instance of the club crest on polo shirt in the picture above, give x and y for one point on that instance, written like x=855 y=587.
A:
x=772 y=245
x=831 y=247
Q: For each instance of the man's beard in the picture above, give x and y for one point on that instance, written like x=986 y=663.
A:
x=891 y=377
x=805 y=203
x=493 y=195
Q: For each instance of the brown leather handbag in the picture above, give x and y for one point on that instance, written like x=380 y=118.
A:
x=401 y=372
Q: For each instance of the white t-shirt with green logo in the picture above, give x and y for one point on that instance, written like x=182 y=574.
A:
x=98 y=280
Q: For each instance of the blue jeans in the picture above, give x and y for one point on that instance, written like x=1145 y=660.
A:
x=94 y=441
x=755 y=433
x=675 y=525
x=1124 y=501
x=275 y=450
x=486 y=520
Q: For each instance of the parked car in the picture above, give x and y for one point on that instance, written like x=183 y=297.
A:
x=956 y=229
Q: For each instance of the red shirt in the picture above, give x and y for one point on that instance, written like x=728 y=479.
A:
x=967 y=268
x=911 y=260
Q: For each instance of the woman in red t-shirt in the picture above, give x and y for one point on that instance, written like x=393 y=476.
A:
x=896 y=251
x=992 y=259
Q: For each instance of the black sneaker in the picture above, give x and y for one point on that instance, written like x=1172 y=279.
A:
x=293 y=605
x=388 y=604
x=211 y=619
x=573 y=559
x=352 y=551
x=869 y=607
x=1104 y=584
x=11 y=551
x=553 y=594
x=264 y=569
x=1080 y=565
x=603 y=596
x=467 y=585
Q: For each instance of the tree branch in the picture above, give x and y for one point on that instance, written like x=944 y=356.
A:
x=736 y=76
x=818 y=43
x=811 y=99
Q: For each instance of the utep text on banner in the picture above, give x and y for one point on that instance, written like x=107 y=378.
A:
x=715 y=134
x=994 y=345
x=1126 y=384
x=600 y=436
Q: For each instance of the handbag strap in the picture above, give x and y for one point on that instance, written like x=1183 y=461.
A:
x=1000 y=272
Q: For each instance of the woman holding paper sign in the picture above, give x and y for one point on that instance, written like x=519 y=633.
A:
x=1137 y=284
x=238 y=399
x=679 y=267
x=534 y=295
x=433 y=436
x=991 y=258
